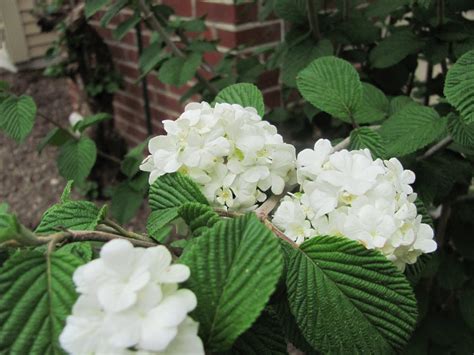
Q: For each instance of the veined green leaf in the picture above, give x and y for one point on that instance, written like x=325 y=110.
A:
x=374 y=105
x=365 y=137
x=411 y=128
x=332 y=85
x=91 y=121
x=178 y=71
x=244 y=94
x=459 y=86
x=37 y=296
x=112 y=11
x=235 y=267
x=76 y=159
x=92 y=6
x=17 y=116
x=198 y=217
x=347 y=299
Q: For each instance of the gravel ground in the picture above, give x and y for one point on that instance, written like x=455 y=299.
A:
x=29 y=181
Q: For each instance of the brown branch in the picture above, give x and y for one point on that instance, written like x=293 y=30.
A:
x=279 y=233
x=153 y=22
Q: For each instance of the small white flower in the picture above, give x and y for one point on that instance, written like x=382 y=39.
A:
x=129 y=297
x=228 y=150
x=352 y=195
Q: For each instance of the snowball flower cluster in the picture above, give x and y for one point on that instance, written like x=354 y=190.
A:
x=129 y=300
x=228 y=150
x=347 y=193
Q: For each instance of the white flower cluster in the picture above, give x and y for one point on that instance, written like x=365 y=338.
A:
x=347 y=193
x=234 y=155
x=129 y=301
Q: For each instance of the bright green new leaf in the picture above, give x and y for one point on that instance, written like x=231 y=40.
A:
x=332 y=85
x=365 y=137
x=395 y=48
x=349 y=300
x=92 y=6
x=174 y=190
x=17 y=116
x=178 y=71
x=37 y=296
x=235 y=267
x=374 y=105
x=298 y=56
x=411 y=128
x=73 y=215
x=244 y=94
x=459 y=86
x=76 y=159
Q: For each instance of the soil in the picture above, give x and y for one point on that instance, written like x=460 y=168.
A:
x=29 y=181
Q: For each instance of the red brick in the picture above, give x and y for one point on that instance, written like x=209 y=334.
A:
x=181 y=7
x=250 y=37
x=161 y=100
x=272 y=98
x=212 y=58
x=268 y=79
x=227 y=13
x=127 y=69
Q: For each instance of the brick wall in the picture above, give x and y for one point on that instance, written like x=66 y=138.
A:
x=232 y=25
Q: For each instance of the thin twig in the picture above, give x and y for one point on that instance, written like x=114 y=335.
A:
x=122 y=231
x=438 y=146
x=279 y=233
x=313 y=19
x=153 y=22
x=98 y=236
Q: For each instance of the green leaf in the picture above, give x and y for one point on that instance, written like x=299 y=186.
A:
x=17 y=116
x=174 y=190
x=65 y=196
x=151 y=57
x=381 y=8
x=76 y=159
x=461 y=132
x=365 y=137
x=394 y=49
x=9 y=226
x=123 y=28
x=374 y=105
x=244 y=94
x=37 y=296
x=332 y=85
x=265 y=337
x=466 y=306
x=126 y=201
x=294 y=11
x=92 y=6
x=131 y=162
x=91 y=121
x=82 y=250
x=411 y=128
x=178 y=71
x=298 y=57
x=459 y=86
x=157 y=223
x=112 y=11
x=235 y=267
x=399 y=102
x=73 y=215
x=198 y=217
x=56 y=137
x=359 y=30
x=349 y=300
